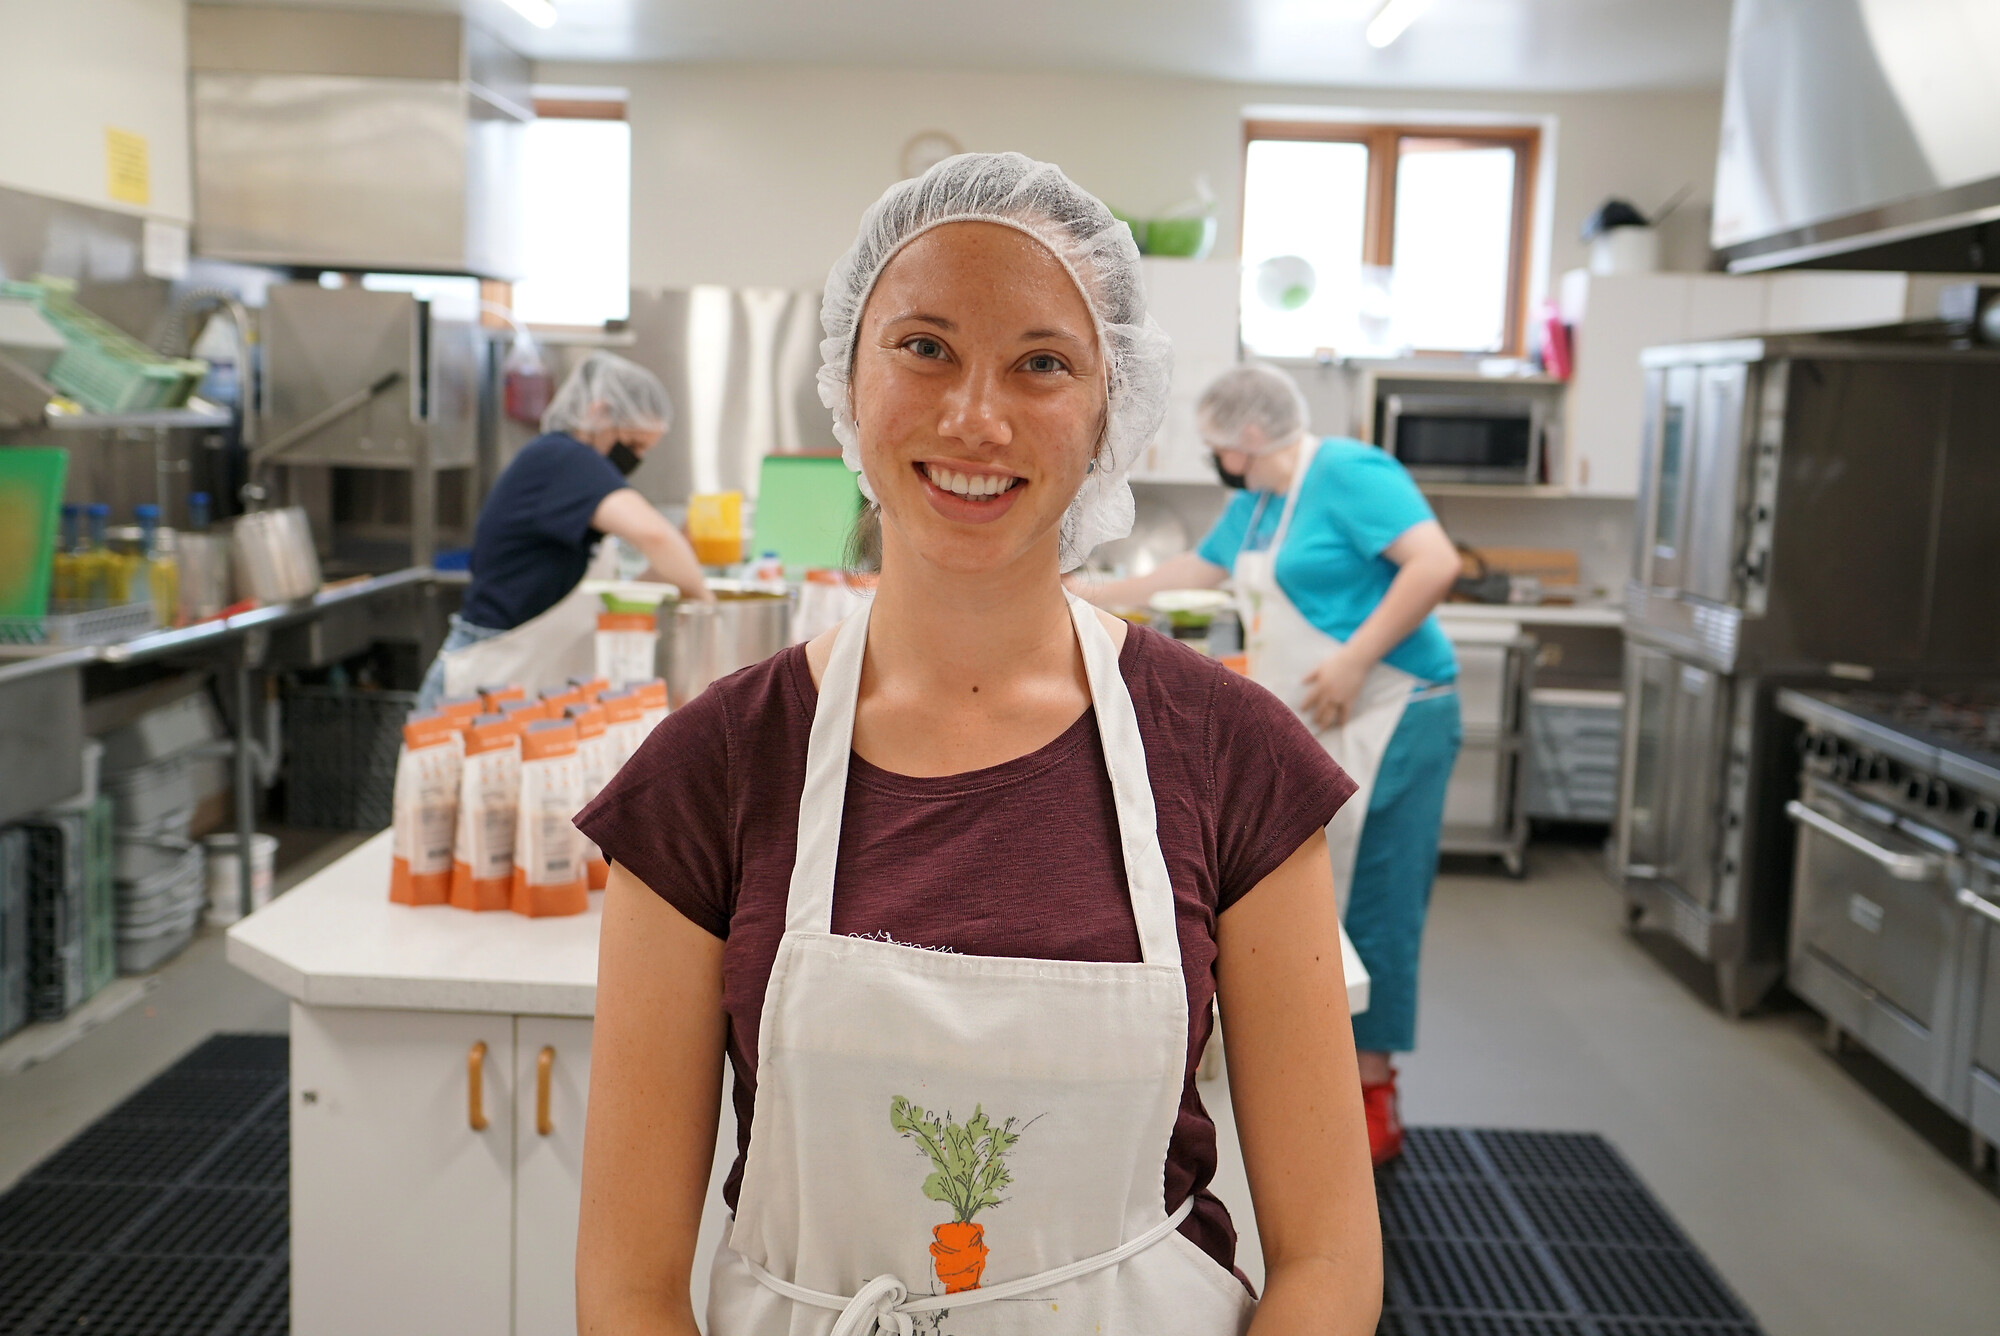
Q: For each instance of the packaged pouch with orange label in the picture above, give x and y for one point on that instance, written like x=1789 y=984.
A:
x=461 y=707
x=498 y=694
x=489 y=803
x=627 y=646
x=549 y=873
x=623 y=725
x=591 y=687
x=652 y=704
x=594 y=756
x=424 y=810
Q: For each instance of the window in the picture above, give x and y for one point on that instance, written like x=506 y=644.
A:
x=1385 y=239
x=576 y=211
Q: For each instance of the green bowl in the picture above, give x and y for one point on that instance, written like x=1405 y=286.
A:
x=1182 y=238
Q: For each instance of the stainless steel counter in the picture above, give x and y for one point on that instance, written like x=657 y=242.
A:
x=41 y=690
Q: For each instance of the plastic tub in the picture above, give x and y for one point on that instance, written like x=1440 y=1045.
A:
x=150 y=796
x=225 y=891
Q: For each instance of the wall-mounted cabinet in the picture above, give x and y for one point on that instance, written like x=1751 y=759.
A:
x=1616 y=317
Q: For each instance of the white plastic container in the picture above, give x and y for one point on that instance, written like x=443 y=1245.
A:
x=225 y=887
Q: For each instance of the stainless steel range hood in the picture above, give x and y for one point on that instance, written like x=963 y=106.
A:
x=1860 y=134
x=357 y=140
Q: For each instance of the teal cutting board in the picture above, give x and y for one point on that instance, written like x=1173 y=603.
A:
x=31 y=489
x=806 y=506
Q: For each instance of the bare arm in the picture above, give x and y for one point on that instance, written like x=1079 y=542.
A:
x=655 y=1093
x=1427 y=564
x=1185 y=571
x=1297 y=1096
x=631 y=516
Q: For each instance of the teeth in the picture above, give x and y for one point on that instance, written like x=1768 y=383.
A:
x=968 y=485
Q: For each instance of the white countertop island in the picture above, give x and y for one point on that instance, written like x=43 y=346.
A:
x=440 y=1065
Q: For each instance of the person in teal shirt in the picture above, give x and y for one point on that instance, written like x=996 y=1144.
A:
x=1364 y=562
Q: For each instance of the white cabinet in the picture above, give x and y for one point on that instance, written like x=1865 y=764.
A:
x=1194 y=301
x=1617 y=316
x=551 y=1079
x=402 y=1211
x=406 y=1216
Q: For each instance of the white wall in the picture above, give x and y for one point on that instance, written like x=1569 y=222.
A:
x=71 y=68
x=757 y=174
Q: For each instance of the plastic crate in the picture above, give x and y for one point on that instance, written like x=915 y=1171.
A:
x=13 y=930
x=155 y=799
x=104 y=368
x=340 y=767
x=71 y=951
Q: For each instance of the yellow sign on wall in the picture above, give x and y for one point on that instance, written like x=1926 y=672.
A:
x=127 y=174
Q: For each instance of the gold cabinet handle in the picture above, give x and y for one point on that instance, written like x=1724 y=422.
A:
x=475 y=1086
x=545 y=1062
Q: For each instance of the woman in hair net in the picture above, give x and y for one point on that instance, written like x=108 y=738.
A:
x=552 y=504
x=953 y=885
x=1338 y=564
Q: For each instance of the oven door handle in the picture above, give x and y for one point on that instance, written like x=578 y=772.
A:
x=1979 y=904
x=1903 y=867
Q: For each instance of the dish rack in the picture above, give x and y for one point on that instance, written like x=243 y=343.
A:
x=79 y=624
x=103 y=368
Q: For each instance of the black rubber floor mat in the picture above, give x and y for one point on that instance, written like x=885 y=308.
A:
x=1507 y=1233
x=169 y=1217
x=166 y=1217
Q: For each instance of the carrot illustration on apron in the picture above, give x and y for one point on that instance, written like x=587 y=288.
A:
x=969 y=1170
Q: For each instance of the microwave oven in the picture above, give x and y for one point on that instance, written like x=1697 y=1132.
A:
x=1461 y=437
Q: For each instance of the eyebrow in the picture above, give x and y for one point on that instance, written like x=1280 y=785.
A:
x=1030 y=336
x=924 y=318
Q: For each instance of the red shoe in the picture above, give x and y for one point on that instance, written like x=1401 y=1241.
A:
x=1385 y=1120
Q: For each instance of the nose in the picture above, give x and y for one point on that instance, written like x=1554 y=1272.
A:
x=974 y=410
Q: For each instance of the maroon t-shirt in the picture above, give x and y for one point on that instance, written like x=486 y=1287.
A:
x=706 y=813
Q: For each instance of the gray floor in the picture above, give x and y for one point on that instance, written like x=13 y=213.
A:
x=1827 y=1213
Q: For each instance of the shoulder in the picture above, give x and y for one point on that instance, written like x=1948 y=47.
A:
x=1343 y=456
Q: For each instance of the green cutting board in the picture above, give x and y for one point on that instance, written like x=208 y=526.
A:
x=31 y=490
x=806 y=506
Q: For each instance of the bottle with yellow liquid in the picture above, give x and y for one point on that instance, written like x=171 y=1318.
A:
x=63 y=582
x=100 y=572
x=156 y=576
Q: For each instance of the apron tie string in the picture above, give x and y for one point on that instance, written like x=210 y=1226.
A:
x=886 y=1303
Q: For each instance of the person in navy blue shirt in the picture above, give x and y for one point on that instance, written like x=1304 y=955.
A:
x=559 y=497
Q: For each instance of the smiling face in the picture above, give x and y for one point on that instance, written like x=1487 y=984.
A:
x=979 y=396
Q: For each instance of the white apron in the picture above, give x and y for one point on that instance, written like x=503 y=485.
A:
x=1282 y=647
x=1071 y=1071
x=544 y=651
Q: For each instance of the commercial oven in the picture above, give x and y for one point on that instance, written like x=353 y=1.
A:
x=1812 y=510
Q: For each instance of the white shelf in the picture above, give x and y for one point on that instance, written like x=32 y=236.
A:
x=197 y=414
x=1511 y=491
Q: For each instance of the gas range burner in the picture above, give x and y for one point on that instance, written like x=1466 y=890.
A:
x=1966 y=718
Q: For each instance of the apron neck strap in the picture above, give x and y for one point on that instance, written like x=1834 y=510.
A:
x=1307 y=452
x=809 y=908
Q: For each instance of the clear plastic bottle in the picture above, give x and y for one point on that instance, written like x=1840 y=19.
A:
x=159 y=577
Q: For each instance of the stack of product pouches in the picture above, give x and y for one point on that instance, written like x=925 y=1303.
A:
x=487 y=787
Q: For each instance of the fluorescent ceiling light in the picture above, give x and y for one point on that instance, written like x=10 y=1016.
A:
x=542 y=14
x=1389 y=23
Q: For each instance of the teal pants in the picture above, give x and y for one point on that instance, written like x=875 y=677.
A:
x=1394 y=867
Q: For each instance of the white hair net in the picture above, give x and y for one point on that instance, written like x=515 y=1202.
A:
x=605 y=390
x=1096 y=249
x=1253 y=396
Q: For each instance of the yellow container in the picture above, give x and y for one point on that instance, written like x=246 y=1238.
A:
x=715 y=527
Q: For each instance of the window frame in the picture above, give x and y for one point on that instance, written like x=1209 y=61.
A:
x=1378 y=230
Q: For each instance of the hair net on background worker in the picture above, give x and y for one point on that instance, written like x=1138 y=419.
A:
x=1252 y=396
x=605 y=390
x=1098 y=252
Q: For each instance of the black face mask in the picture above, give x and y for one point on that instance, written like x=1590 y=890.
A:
x=1236 y=480
x=623 y=458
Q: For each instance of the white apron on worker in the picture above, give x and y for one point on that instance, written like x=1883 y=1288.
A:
x=978 y=1136
x=546 y=650
x=1283 y=647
